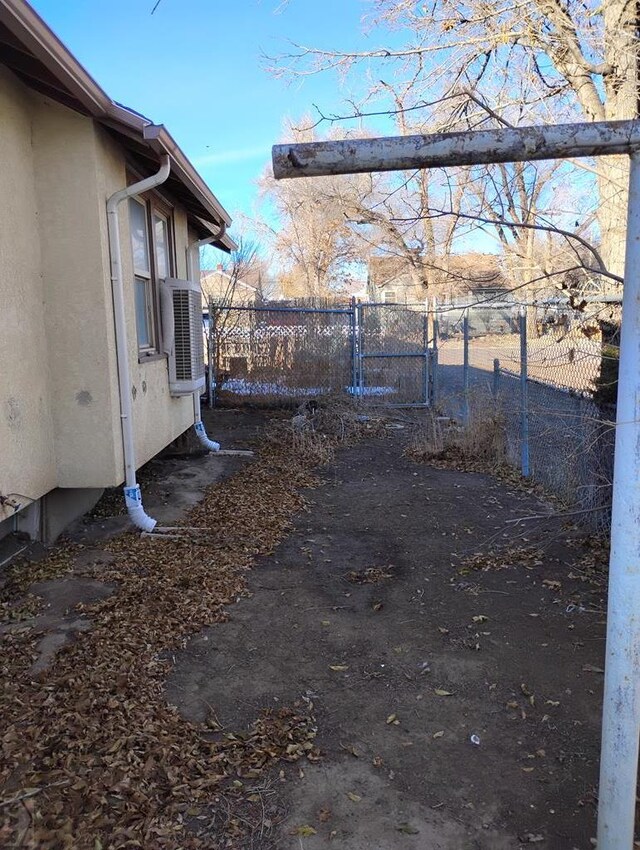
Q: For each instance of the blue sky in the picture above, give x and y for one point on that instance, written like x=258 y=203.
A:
x=196 y=66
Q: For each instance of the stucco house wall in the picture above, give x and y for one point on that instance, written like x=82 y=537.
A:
x=60 y=421
x=27 y=455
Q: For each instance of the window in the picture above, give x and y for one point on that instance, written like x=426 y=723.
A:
x=390 y=296
x=150 y=227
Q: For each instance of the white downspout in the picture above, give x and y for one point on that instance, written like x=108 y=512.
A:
x=132 y=495
x=200 y=430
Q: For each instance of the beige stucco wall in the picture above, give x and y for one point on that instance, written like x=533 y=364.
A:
x=158 y=418
x=59 y=402
x=27 y=460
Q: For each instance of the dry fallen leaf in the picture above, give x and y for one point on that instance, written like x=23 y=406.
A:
x=438 y=734
x=324 y=815
x=354 y=797
x=338 y=667
x=441 y=693
x=407 y=829
x=590 y=668
x=305 y=831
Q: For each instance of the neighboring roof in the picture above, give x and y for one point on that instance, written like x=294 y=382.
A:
x=34 y=53
x=476 y=270
x=206 y=273
x=388 y=269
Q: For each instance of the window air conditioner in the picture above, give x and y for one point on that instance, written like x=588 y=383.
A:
x=181 y=305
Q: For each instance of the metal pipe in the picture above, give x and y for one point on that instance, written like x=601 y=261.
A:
x=378 y=354
x=472 y=147
x=434 y=355
x=496 y=378
x=465 y=369
x=360 y=350
x=425 y=346
x=621 y=710
x=524 y=396
x=354 y=329
x=132 y=494
x=288 y=309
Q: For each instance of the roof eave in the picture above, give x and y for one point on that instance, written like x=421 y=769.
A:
x=34 y=33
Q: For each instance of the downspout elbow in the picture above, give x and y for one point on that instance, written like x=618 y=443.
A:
x=136 y=511
x=201 y=434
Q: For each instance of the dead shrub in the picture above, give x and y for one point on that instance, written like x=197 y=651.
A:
x=318 y=428
x=478 y=446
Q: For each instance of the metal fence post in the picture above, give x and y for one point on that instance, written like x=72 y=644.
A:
x=211 y=356
x=353 y=320
x=524 y=396
x=360 y=335
x=495 y=387
x=425 y=345
x=465 y=369
x=621 y=708
x=434 y=356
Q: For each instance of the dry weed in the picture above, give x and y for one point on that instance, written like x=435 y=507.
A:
x=478 y=447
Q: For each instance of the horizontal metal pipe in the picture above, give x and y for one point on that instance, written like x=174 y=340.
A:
x=378 y=354
x=345 y=312
x=507 y=144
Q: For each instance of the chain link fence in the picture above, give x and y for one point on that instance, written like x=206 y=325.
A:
x=538 y=370
x=273 y=352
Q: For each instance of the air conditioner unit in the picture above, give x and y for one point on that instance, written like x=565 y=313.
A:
x=181 y=305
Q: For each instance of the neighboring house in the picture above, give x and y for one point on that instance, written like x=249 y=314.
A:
x=225 y=289
x=390 y=278
x=88 y=392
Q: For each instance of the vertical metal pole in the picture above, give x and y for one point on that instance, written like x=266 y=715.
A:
x=434 y=358
x=425 y=345
x=211 y=354
x=465 y=369
x=354 y=347
x=359 y=315
x=495 y=388
x=621 y=709
x=524 y=396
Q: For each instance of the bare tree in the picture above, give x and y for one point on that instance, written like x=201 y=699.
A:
x=237 y=280
x=540 y=60
x=311 y=237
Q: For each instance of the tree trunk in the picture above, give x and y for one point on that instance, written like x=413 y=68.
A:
x=612 y=213
x=621 y=102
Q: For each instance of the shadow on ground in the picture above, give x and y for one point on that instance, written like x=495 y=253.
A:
x=369 y=610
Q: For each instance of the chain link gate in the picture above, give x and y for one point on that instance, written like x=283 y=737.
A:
x=392 y=354
x=377 y=353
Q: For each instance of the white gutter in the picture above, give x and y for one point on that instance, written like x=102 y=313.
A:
x=132 y=495
x=192 y=251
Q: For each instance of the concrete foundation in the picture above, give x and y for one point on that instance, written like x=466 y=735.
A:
x=62 y=506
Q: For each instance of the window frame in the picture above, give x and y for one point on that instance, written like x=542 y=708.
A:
x=390 y=296
x=154 y=208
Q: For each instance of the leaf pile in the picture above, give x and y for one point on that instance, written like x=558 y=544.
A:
x=92 y=755
x=371 y=575
x=501 y=559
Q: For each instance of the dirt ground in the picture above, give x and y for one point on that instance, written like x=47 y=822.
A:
x=457 y=696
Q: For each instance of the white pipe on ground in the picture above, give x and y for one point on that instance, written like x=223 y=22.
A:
x=200 y=430
x=132 y=494
x=621 y=709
